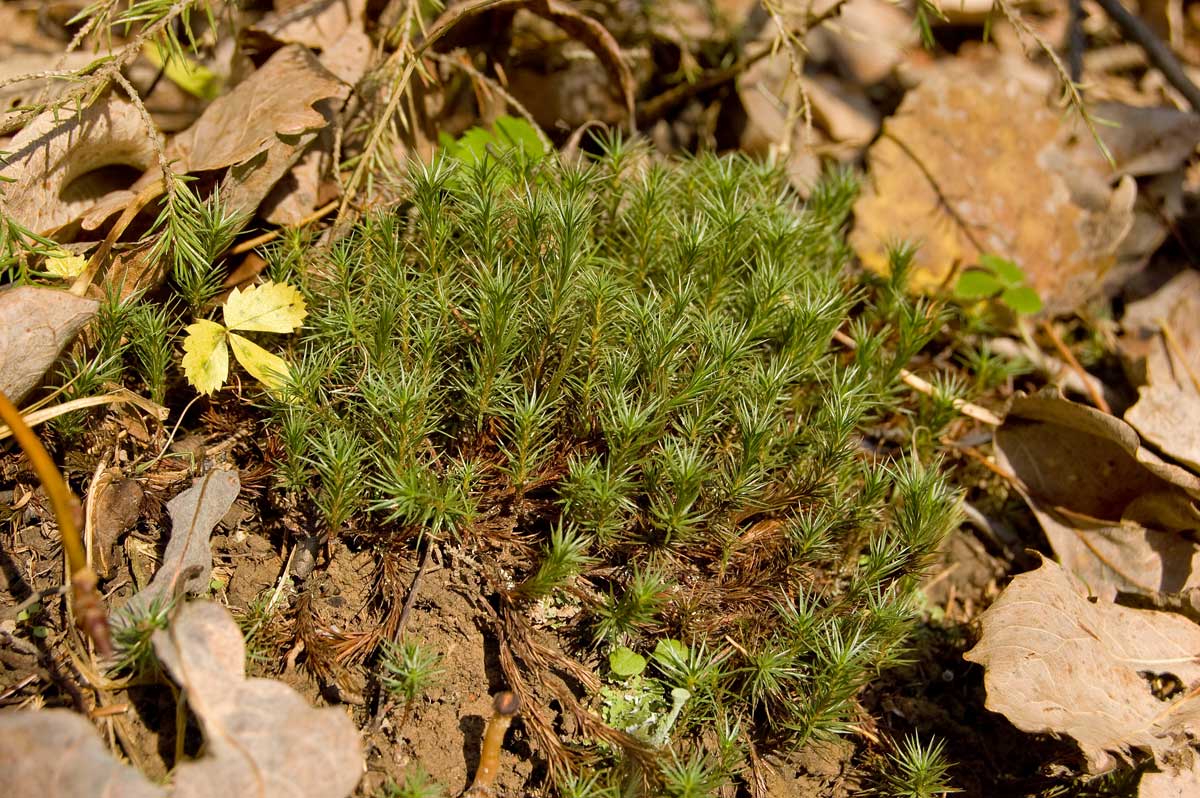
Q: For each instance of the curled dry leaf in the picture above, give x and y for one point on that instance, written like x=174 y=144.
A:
x=257 y=129
x=1113 y=512
x=187 y=562
x=56 y=753
x=1057 y=662
x=964 y=168
x=336 y=30
x=248 y=120
x=1169 y=418
x=262 y=739
x=1161 y=346
x=1142 y=141
x=53 y=162
x=36 y=324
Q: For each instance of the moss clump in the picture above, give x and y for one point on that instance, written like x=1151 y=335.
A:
x=617 y=381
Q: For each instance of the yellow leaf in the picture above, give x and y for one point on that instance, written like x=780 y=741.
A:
x=270 y=369
x=205 y=356
x=194 y=78
x=63 y=264
x=270 y=307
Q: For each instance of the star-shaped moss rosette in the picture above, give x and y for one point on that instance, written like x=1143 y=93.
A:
x=270 y=307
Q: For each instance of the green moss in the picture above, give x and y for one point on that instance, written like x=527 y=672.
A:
x=629 y=366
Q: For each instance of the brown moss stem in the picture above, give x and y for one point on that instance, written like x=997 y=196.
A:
x=506 y=705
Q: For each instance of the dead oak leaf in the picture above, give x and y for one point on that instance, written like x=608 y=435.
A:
x=187 y=562
x=56 y=753
x=1056 y=662
x=276 y=101
x=262 y=740
x=1113 y=512
x=964 y=168
x=55 y=170
x=36 y=325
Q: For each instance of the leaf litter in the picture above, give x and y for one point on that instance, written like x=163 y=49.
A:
x=1058 y=661
x=187 y=562
x=262 y=739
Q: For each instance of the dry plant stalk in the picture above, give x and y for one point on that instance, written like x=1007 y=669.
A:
x=89 y=611
x=505 y=707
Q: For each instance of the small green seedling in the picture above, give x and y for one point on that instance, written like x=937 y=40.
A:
x=483 y=144
x=409 y=670
x=626 y=662
x=1001 y=279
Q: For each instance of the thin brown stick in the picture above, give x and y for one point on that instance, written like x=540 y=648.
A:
x=1159 y=53
x=1067 y=355
x=89 y=612
x=916 y=383
x=268 y=237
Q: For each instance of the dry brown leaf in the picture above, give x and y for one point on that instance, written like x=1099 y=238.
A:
x=346 y=53
x=54 y=161
x=963 y=168
x=1057 y=662
x=1142 y=141
x=318 y=24
x=1112 y=511
x=36 y=324
x=1172 y=782
x=56 y=753
x=262 y=739
x=117 y=506
x=258 y=130
x=256 y=113
x=1150 y=357
x=1170 y=419
x=187 y=562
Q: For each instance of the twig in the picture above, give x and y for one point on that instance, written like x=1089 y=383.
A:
x=1177 y=352
x=89 y=612
x=113 y=398
x=1159 y=54
x=411 y=598
x=266 y=238
x=653 y=109
x=1069 y=356
x=917 y=384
